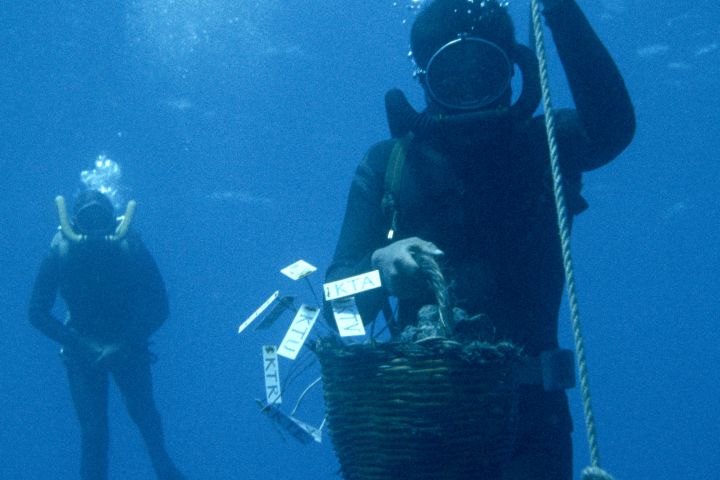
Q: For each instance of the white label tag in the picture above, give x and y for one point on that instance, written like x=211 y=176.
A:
x=298 y=270
x=272 y=375
x=347 y=317
x=285 y=303
x=352 y=285
x=259 y=311
x=298 y=331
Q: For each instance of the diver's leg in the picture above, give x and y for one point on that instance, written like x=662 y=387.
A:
x=542 y=455
x=134 y=380
x=543 y=446
x=89 y=391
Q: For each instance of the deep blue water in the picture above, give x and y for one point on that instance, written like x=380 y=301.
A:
x=239 y=125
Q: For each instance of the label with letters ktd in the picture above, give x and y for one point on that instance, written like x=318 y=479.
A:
x=298 y=270
x=347 y=317
x=352 y=285
x=272 y=375
x=298 y=331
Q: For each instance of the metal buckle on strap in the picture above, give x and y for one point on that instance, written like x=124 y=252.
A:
x=553 y=370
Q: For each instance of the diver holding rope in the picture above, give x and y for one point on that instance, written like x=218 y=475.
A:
x=116 y=299
x=467 y=182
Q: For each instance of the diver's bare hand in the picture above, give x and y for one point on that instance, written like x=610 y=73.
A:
x=399 y=271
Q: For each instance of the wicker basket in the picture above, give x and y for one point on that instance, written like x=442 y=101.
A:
x=435 y=410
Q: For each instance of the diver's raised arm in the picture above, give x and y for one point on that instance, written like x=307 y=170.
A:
x=598 y=89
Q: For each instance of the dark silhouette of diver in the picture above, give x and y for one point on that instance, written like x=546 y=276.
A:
x=474 y=190
x=115 y=299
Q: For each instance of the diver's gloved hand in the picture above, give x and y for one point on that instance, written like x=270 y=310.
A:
x=399 y=271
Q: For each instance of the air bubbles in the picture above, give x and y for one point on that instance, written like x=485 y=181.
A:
x=414 y=6
x=187 y=36
x=411 y=6
x=105 y=178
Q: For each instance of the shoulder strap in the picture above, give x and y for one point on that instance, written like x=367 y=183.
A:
x=393 y=178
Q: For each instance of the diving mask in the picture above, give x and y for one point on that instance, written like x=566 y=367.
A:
x=467 y=73
x=95 y=220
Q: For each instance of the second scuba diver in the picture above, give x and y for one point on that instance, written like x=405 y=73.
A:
x=116 y=299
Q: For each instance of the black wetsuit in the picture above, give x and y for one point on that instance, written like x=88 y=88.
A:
x=114 y=295
x=486 y=201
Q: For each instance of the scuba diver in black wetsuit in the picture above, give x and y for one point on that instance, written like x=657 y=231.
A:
x=473 y=189
x=115 y=300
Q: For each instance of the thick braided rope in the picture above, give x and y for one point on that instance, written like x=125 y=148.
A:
x=563 y=225
x=436 y=282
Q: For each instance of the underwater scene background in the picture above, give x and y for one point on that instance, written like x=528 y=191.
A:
x=239 y=124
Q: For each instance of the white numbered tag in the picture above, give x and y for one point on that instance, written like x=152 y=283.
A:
x=298 y=270
x=352 y=285
x=259 y=311
x=298 y=331
x=272 y=375
x=347 y=317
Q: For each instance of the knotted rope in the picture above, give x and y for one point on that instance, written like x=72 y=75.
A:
x=594 y=472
